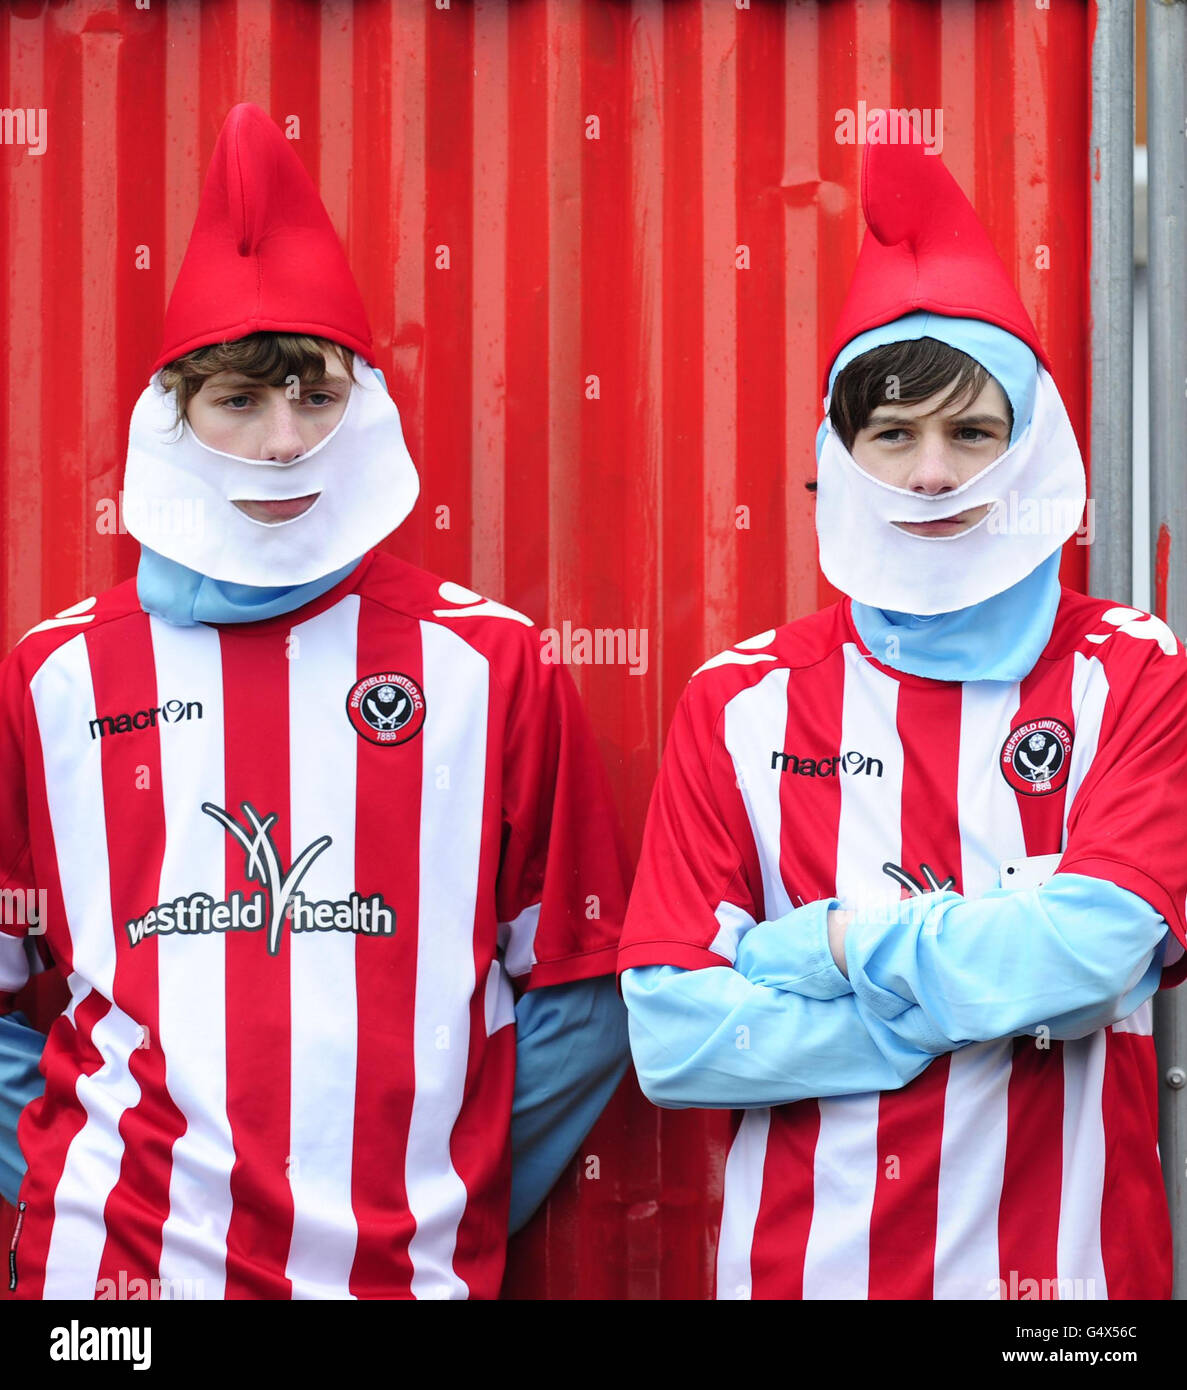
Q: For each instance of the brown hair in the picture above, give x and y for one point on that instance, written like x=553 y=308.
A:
x=272 y=357
x=919 y=367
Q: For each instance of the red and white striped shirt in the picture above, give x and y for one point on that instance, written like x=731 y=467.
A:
x=290 y=869
x=796 y=767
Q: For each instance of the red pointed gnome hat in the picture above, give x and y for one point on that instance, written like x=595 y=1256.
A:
x=925 y=249
x=263 y=255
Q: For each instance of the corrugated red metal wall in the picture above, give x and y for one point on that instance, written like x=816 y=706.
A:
x=611 y=405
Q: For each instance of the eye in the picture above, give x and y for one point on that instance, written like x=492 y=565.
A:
x=891 y=436
x=327 y=398
x=230 y=401
x=972 y=435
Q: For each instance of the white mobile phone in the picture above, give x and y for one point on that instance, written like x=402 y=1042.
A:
x=1031 y=872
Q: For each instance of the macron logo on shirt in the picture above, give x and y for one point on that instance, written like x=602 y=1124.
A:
x=852 y=763
x=171 y=712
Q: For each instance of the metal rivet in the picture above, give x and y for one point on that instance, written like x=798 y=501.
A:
x=1175 y=1077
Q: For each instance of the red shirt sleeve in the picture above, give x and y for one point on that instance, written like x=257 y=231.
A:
x=1128 y=823
x=564 y=872
x=697 y=887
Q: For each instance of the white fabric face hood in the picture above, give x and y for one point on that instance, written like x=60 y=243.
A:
x=179 y=493
x=1036 y=491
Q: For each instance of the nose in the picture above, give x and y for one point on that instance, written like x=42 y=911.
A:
x=281 y=442
x=933 y=469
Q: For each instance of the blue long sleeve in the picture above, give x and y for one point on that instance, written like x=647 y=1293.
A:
x=1073 y=955
x=784 y=1024
x=20 y=1082
x=765 y=1032
x=571 y=1052
x=711 y=1039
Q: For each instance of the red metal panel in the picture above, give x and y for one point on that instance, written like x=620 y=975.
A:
x=613 y=422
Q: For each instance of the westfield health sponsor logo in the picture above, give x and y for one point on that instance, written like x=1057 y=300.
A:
x=275 y=904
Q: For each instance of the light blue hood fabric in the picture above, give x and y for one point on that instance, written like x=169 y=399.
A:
x=1007 y=359
x=999 y=639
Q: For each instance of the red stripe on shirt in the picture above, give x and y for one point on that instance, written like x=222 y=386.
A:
x=1028 y=1214
x=483 y=1164
x=256 y=702
x=138 y=1204
x=388 y=778
x=1136 y=1255
x=780 y=1241
x=48 y=1127
x=808 y=864
x=1044 y=694
x=911 y=1121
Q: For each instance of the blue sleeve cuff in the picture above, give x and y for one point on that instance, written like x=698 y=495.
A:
x=792 y=953
x=865 y=942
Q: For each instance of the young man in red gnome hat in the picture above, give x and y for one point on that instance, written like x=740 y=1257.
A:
x=914 y=866
x=307 y=820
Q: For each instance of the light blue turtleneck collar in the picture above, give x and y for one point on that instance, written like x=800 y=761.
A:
x=998 y=639
x=184 y=597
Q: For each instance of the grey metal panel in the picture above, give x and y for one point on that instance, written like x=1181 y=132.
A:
x=1166 y=53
